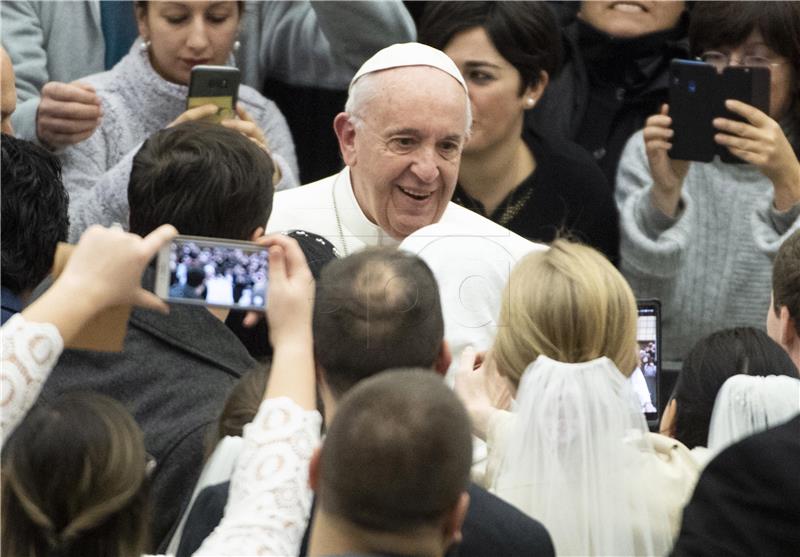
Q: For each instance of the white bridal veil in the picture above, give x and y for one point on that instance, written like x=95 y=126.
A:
x=578 y=460
x=747 y=404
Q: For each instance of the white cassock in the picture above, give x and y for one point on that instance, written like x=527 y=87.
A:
x=329 y=208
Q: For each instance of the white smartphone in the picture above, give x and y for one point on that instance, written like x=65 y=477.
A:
x=213 y=272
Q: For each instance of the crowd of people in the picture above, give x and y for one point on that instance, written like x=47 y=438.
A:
x=445 y=356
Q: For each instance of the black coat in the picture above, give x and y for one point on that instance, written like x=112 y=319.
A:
x=492 y=527
x=747 y=501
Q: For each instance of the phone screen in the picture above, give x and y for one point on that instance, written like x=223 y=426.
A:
x=214 y=273
x=645 y=377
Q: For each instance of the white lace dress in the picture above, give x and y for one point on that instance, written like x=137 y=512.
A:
x=269 y=502
x=30 y=351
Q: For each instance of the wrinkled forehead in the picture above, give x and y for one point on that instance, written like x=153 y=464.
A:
x=414 y=93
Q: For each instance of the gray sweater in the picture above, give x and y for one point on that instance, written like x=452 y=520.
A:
x=711 y=266
x=138 y=102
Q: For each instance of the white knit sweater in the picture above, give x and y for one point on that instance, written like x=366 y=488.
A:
x=138 y=102
x=711 y=266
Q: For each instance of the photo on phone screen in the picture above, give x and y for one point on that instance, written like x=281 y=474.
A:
x=212 y=272
x=648 y=337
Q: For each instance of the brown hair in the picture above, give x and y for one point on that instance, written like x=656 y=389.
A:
x=786 y=278
x=74 y=481
x=567 y=303
x=398 y=453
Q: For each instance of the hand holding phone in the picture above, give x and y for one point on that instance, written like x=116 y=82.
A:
x=668 y=173
x=215 y=85
x=698 y=95
x=213 y=272
x=291 y=295
x=759 y=140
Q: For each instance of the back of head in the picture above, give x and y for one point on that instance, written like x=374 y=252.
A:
x=204 y=179
x=74 y=481
x=786 y=278
x=714 y=359
x=34 y=213
x=397 y=455
x=375 y=310
x=242 y=403
x=746 y=405
x=567 y=303
x=524 y=33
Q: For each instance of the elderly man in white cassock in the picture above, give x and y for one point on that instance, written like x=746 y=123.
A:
x=401 y=135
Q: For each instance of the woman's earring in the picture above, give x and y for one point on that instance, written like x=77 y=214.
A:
x=530 y=102
x=237 y=45
x=145 y=45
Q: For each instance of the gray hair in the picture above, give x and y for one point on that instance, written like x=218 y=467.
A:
x=366 y=88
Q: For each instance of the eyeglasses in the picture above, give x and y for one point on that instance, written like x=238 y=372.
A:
x=720 y=60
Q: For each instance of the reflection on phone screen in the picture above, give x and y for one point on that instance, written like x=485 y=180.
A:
x=645 y=377
x=218 y=275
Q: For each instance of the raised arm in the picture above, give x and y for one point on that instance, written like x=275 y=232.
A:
x=270 y=500
x=105 y=270
x=318 y=44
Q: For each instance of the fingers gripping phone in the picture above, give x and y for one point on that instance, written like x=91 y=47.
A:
x=213 y=272
x=697 y=95
x=218 y=85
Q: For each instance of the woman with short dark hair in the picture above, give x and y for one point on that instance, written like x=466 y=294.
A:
x=533 y=184
x=702 y=236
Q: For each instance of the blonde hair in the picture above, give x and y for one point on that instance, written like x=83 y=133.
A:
x=567 y=303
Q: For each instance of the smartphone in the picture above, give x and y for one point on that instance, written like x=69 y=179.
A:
x=693 y=101
x=217 y=85
x=645 y=377
x=749 y=85
x=213 y=272
x=697 y=95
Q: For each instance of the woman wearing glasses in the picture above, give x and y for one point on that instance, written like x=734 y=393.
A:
x=701 y=236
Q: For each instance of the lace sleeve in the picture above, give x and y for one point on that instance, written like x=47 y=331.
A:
x=269 y=500
x=30 y=351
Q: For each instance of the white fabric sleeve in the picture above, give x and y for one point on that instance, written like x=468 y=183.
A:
x=318 y=44
x=30 y=351
x=269 y=500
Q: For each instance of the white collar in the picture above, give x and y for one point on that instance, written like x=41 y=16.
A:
x=354 y=223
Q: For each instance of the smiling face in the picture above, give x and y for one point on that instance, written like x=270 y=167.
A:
x=187 y=34
x=405 y=152
x=494 y=90
x=628 y=19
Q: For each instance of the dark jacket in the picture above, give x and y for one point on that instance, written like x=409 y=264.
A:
x=492 y=527
x=747 y=501
x=173 y=376
x=607 y=88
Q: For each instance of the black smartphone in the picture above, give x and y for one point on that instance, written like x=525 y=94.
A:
x=213 y=272
x=217 y=85
x=697 y=95
x=693 y=101
x=645 y=377
x=746 y=84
